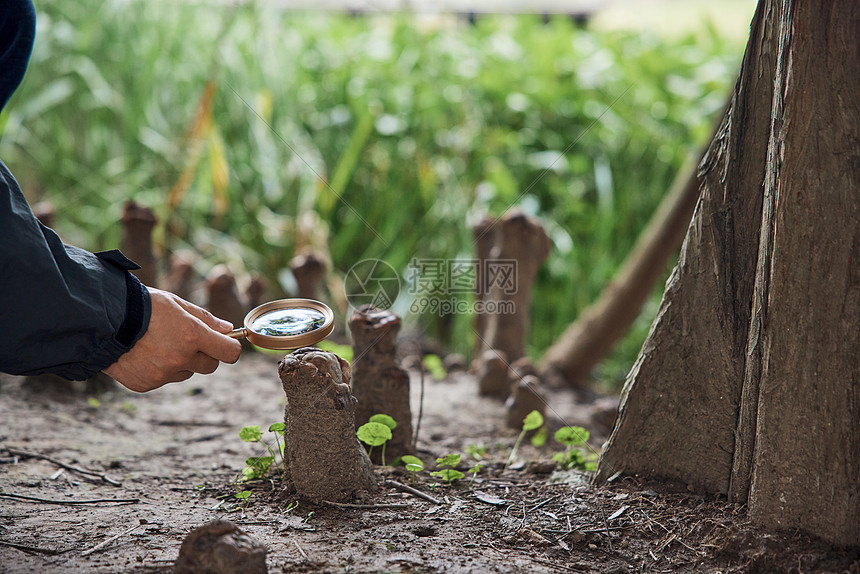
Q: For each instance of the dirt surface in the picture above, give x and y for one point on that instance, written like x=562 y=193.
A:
x=176 y=456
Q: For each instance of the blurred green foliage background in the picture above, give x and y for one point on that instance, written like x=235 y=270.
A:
x=226 y=121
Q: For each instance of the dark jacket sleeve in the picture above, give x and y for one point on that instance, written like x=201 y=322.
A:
x=63 y=310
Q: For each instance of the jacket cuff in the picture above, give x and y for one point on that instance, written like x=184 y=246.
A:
x=137 y=306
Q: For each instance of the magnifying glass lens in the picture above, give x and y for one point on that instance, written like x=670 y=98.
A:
x=286 y=322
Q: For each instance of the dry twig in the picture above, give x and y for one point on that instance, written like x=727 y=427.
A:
x=365 y=506
x=68 y=502
x=104 y=543
x=413 y=491
x=79 y=470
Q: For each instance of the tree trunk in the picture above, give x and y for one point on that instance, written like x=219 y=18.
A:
x=749 y=382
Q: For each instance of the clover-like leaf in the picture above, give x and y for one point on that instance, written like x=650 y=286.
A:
x=251 y=433
x=533 y=420
x=572 y=436
x=374 y=434
x=278 y=428
x=451 y=460
x=412 y=463
x=384 y=419
x=448 y=474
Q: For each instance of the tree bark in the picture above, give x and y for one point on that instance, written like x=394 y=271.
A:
x=751 y=365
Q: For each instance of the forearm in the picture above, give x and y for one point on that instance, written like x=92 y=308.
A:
x=62 y=310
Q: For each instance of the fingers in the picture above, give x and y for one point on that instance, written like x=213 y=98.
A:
x=204 y=315
x=203 y=364
x=214 y=344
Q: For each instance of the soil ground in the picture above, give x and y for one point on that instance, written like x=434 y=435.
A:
x=176 y=455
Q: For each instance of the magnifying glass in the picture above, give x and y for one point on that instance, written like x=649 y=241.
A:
x=286 y=324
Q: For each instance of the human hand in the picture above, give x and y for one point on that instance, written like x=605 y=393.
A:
x=182 y=339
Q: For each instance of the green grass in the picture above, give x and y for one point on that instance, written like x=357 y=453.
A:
x=417 y=130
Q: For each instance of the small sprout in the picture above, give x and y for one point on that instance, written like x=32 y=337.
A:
x=434 y=364
x=532 y=421
x=375 y=434
x=244 y=495
x=413 y=464
x=572 y=457
x=449 y=460
x=539 y=438
x=572 y=436
x=476 y=452
x=448 y=474
x=251 y=433
x=258 y=466
x=474 y=472
x=93 y=403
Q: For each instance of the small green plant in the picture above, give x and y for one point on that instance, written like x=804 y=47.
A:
x=539 y=438
x=573 y=457
x=447 y=471
x=413 y=464
x=434 y=364
x=258 y=466
x=93 y=403
x=532 y=421
x=474 y=472
x=476 y=452
x=376 y=432
x=243 y=498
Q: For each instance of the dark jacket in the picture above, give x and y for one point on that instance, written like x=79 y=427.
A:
x=63 y=310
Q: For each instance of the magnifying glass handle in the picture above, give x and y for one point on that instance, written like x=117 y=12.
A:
x=240 y=333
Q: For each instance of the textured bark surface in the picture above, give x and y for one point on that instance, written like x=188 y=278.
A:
x=493 y=374
x=748 y=383
x=180 y=278
x=378 y=382
x=325 y=459
x=309 y=270
x=223 y=299
x=484 y=234
x=519 y=238
x=526 y=396
x=136 y=241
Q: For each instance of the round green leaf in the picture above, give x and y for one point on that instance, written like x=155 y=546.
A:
x=449 y=460
x=384 y=419
x=533 y=420
x=571 y=436
x=250 y=433
x=243 y=495
x=448 y=474
x=278 y=428
x=539 y=438
x=412 y=463
x=374 y=434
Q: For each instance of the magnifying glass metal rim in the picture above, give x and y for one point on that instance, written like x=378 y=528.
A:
x=285 y=342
